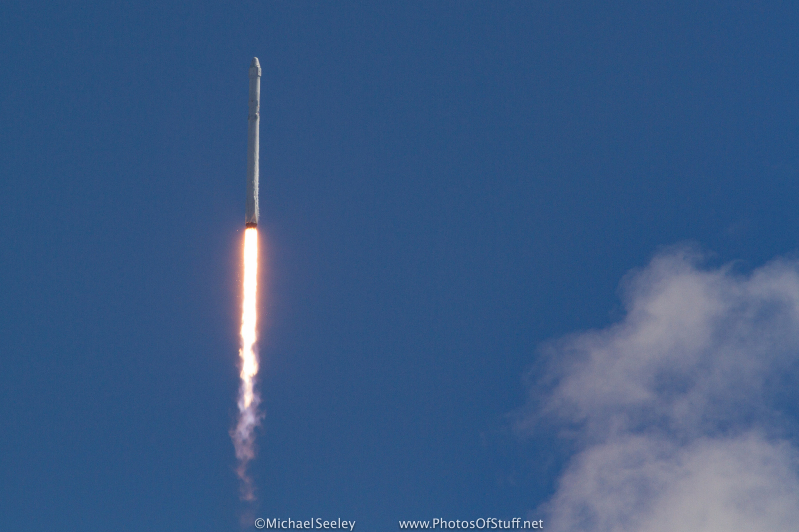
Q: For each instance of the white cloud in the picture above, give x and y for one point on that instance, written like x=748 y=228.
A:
x=676 y=407
x=646 y=484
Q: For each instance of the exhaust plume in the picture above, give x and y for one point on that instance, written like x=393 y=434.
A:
x=249 y=417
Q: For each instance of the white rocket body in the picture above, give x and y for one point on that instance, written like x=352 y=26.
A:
x=253 y=120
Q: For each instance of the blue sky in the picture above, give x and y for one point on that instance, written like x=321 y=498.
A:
x=451 y=193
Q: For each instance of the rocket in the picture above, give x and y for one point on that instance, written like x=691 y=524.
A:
x=253 y=119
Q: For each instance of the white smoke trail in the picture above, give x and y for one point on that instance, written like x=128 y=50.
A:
x=249 y=417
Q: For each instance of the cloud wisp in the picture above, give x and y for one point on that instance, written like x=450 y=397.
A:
x=678 y=412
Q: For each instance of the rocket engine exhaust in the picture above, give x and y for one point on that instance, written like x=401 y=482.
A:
x=249 y=418
x=243 y=434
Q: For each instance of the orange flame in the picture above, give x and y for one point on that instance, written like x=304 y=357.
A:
x=243 y=435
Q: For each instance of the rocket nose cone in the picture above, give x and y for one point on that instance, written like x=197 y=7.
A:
x=255 y=68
